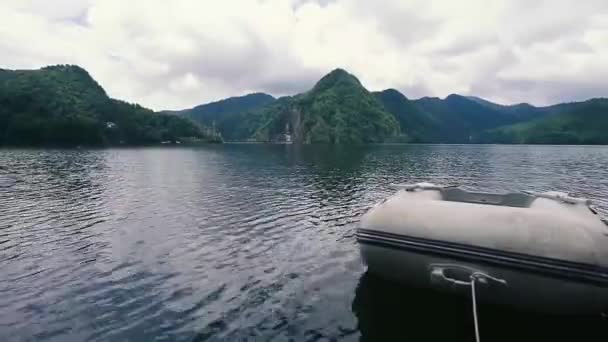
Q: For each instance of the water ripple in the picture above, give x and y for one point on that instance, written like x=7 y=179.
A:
x=235 y=242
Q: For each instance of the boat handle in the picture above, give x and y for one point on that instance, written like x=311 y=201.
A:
x=475 y=276
x=438 y=273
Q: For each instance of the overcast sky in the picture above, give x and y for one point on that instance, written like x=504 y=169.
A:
x=179 y=53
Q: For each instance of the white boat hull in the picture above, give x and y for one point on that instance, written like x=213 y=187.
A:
x=531 y=282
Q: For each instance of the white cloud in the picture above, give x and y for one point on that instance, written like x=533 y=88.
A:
x=175 y=54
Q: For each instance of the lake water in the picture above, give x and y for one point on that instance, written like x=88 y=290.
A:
x=246 y=242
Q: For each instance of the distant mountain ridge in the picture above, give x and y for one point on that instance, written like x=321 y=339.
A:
x=575 y=123
x=226 y=106
x=338 y=109
x=416 y=124
x=64 y=105
x=226 y=115
x=460 y=119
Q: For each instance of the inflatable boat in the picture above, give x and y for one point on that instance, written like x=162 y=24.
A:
x=545 y=252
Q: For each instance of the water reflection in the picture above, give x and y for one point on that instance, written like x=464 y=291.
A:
x=388 y=311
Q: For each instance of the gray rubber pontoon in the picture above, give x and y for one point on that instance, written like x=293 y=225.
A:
x=539 y=251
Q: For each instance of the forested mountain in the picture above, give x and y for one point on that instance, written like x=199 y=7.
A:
x=63 y=105
x=337 y=110
x=340 y=110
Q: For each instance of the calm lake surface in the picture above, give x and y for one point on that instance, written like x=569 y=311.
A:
x=246 y=242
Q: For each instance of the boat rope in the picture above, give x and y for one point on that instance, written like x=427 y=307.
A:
x=439 y=276
x=481 y=277
x=474 y=304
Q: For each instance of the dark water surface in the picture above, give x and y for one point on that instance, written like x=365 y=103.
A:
x=246 y=242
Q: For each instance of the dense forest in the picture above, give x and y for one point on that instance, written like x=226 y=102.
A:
x=63 y=106
x=338 y=109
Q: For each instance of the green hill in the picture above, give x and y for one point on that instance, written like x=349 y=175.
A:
x=63 y=105
x=337 y=110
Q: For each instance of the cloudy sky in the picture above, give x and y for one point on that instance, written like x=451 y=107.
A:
x=179 y=53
